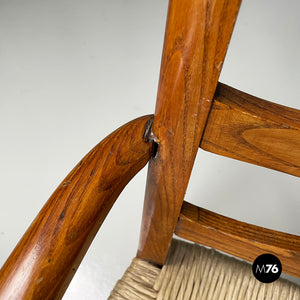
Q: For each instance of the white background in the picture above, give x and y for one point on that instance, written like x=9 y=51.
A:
x=73 y=71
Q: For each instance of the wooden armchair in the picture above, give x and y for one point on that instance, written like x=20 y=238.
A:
x=193 y=110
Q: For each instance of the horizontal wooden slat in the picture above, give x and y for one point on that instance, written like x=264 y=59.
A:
x=254 y=130
x=238 y=238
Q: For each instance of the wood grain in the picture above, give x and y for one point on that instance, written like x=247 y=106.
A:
x=238 y=238
x=196 y=40
x=46 y=258
x=254 y=130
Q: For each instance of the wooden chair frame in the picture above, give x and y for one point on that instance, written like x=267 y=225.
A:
x=192 y=110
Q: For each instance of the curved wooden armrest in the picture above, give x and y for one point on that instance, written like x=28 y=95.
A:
x=240 y=239
x=46 y=258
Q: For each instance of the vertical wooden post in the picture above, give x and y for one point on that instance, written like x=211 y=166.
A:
x=196 y=40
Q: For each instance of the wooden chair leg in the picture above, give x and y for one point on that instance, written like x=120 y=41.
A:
x=196 y=40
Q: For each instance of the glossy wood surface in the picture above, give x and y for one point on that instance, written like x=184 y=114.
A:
x=250 y=129
x=46 y=258
x=196 y=40
x=238 y=238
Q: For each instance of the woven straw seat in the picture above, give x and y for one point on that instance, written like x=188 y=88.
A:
x=195 y=272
